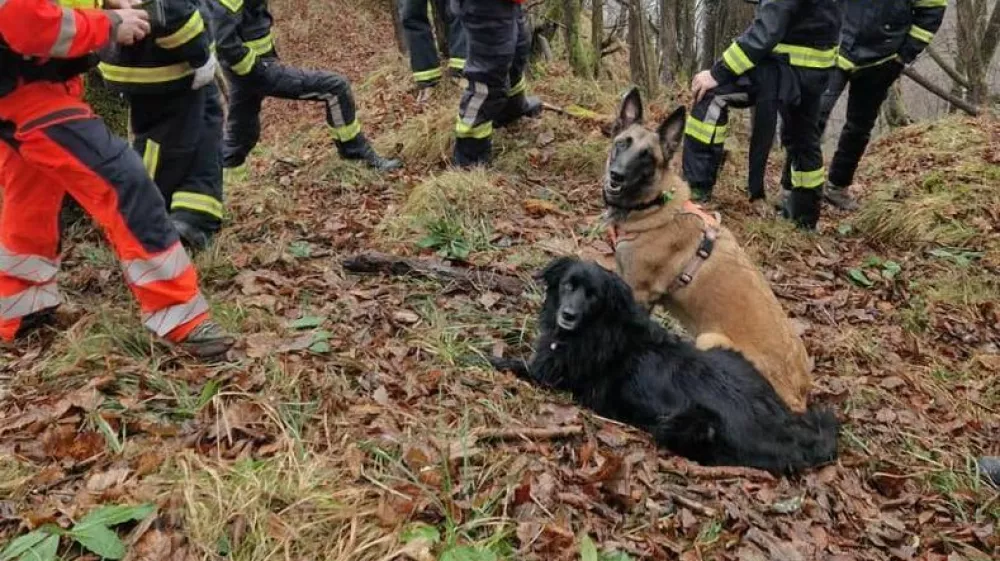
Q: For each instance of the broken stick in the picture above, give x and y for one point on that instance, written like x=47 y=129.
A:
x=478 y=279
x=530 y=434
x=717 y=472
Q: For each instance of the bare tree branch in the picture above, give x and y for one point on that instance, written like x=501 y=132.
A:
x=991 y=35
x=938 y=91
x=948 y=68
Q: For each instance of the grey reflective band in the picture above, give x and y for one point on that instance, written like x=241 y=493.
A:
x=168 y=319
x=166 y=266
x=67 y=31
x=479 y=96
x=34 y=299
x=31 y=268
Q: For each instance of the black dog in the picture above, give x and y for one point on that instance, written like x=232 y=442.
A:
x=711 y=406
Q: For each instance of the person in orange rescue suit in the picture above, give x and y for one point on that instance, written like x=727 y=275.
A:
x=51 y=145
x=175 y=115
x=877 y=40
x=791 y=44
x=245 y=47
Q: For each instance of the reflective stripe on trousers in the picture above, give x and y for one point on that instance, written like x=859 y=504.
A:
x=162 y=322
x=163 y=267
x=33 y=299
x=31 y=268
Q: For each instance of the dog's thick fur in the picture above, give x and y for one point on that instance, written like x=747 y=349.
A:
x=710 y=406
x=729 y=303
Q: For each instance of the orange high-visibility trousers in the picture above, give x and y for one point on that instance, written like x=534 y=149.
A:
x=54 y=146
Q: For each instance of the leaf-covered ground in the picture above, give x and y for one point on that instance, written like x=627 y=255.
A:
x=356 y=422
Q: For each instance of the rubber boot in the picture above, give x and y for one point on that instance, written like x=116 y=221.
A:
x=517 y=107
x=803 y=207
x=839 y=197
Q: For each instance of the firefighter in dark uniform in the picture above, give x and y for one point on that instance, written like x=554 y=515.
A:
x=418 y=30
x=53 y=146
x=796 y=42
x=176 y=116
x=877 y=40
x=499 y=47
x=245 y=47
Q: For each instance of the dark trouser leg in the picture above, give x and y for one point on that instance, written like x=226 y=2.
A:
x=868 y=89
x=518 y=103
x=199 y=201
x=419 y=35
x=165 y=129
x=458 y=44
x=333 y=90
x=242 y=122
x=805 y=152
x=492 y=29
x=835 y=88
x=705 y=135
x=765 y=122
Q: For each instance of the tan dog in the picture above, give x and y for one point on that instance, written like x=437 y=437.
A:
x=673 y=253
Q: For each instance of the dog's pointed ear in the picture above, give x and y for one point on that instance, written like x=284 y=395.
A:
x=671 y=132
x=630 y=111
x=554 y=271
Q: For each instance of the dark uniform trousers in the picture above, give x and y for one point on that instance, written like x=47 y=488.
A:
x=868 y=88
x=419 y=32
x=271 y=78
x=796 y=93
x=499 y=47
x=179 y=136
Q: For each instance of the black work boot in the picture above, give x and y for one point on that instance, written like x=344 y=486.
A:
x=803 y=207
x=989 y=466
x=839 y=197
x=207 y=341
x=519 y=106
x=194 y=238
x=701 y=193
x=360 y=149
x=380 y=164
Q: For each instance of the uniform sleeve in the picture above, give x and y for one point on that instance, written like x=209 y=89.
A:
x=927 y=18
x=40 y=28
x=188 y=33
x=769 y=26
x=227 y=15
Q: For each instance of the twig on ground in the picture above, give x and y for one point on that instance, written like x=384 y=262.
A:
x=720 y=472
x=475 y=278
x=529 y=433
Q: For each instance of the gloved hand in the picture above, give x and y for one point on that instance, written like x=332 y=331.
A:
x=205 y=74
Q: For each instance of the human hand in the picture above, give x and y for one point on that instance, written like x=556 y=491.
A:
x=133 y=28
x=702 y=83
x=205 y=74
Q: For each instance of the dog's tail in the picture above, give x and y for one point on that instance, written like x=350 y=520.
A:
x=815 y=434
x=516 y=365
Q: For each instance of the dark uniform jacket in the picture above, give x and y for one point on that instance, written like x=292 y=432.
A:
x=243 y=29
x=807 y=32
x=874 y=32
x=164 y=61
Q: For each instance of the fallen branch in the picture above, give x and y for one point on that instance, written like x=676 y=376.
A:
x=938 y=91
x=478 y=279
x=530 y=434
x=694 y=505
x=948 y=69
x=718 y=472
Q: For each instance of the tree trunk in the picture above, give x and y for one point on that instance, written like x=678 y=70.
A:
x=709 y=32
x=440 y=28
x=397 y=23
x=669 y=64
x=597 y=34
x=970 y=15
x=639 y=56
x=894 y=110
x=579 y=60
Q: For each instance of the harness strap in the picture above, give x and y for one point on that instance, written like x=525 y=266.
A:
x=710 y=233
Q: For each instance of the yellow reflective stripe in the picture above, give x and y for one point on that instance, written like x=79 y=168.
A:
x=244 y=66
x=931 y=4
x=845 y=64
x=519 y=88
x=736 y=59
x=261 y=46
x=480 y=132
x=704 y=132
x=197 y=202
x=921 y=34
x=427 y=75
x=457 y=63
x=151 y=157
x=194 y=27
x=154 y=75
x=233 y=6
x=808 y=179
x=808 y=57
x=347 y=133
